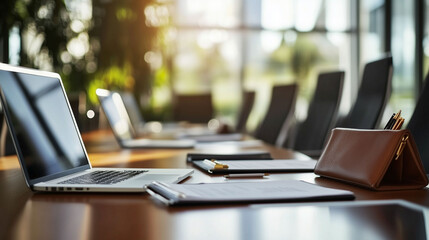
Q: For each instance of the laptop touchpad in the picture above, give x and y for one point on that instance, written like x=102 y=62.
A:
x=158 y=177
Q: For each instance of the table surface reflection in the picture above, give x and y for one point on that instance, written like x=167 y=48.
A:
x=28 y=215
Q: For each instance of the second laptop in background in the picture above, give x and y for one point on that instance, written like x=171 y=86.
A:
x=176 y=135
x=125 y=134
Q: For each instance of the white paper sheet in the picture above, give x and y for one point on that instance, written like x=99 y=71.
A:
x=269 y=164
x=250 y=191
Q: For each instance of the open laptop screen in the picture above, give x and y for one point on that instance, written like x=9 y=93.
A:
x=42 y=126
x=116 y=113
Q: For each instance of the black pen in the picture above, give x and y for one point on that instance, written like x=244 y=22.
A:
x=390 y=121
x=393 y=120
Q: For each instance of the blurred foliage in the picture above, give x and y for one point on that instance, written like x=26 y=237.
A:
x=130 y=45
x=48 y=19
x=159 y=105
x=304 y=58
x=298 y=61
x=111 y=45
x=120 y=28
x=114 y=78
x=298 y=58
x=45 y=31
x=162 y=76
x=278 y=59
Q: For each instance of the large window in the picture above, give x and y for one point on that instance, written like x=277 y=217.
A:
x=390 y=26
x=161 y=48
x=232 y=46
x=426 y=40
x=404 y=56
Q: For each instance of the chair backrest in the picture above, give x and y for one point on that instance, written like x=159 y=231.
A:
x=419 y=124
x=322 y=112
x=280 y=110
x=372 y=97
x=195 y=108
x=6 y=144
x=246 y=108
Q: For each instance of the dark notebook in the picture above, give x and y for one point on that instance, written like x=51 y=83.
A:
x=255 y=166
x=234 y=156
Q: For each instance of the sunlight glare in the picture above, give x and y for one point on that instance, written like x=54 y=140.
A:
x=307 y=12
x=277 y=14
x=336 y=15
x=270 y=41
x=90 y=114
x=79 y=46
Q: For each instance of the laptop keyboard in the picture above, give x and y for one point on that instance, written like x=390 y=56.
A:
x=103 y=177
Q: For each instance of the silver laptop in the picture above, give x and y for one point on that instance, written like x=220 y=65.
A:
x=120 y=123
x=164 y=129
x=127 y=132
x=133 y=111
x=48 y=143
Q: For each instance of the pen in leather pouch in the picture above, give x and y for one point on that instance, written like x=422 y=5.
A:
x=390 y=121
x=393 y=120
x=398 y=124
x=397 y=121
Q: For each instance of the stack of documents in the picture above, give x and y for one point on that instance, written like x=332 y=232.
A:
x=267 y=191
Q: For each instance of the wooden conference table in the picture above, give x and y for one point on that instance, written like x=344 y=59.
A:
x=28 y=215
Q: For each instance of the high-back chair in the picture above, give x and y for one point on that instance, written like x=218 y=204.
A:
x=311 y=134
x=6 y=144
x=419 y=124
x=279 y=112
x=373 y=94
x=246 y=108
x=195 y=108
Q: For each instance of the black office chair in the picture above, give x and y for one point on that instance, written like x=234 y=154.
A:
x=6 y=144
x=246 y=108
x=311 y=134
x=279 y=112
x=195 y=108
x=419 y=124
x=372 y=97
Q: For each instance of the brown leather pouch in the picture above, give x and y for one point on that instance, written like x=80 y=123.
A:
x=375 y=159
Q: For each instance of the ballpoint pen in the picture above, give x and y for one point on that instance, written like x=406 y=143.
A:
x=246 y=175
x=395 y=122
x=398 y=124
x=391 y=120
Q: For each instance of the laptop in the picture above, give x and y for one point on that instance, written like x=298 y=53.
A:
x=120 y=123
x=158 y=129
x=133 y=111
x=127 y=133
x=48 y=143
